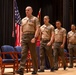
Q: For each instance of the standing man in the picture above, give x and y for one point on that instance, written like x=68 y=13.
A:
x=29 y=33
x=71 y=38
x=47 y=36
x=59 y=42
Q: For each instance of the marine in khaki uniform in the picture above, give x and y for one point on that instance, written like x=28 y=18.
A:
x=59 y=42
x=47 y=36
x=29 y=33
x=71 y=38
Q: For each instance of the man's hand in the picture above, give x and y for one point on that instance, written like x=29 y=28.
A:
x=49 y=43
x=33 y=40
x=62 y=46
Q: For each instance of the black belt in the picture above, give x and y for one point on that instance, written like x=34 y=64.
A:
x=73 y=43
x=45 y=40
x=58 y=42
x=28 y=32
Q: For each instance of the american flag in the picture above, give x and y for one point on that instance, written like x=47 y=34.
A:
x=17 y=23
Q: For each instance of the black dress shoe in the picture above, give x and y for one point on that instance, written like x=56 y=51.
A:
x=52 y=69
x=64 y=67
x=70 y=67
x=34 y=72
x=41 y=71
x=20 y=71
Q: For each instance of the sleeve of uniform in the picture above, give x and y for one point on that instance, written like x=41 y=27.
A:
x=21 y=27
x=68 y=35
x=40 y=33
x=64 y=32
x=22 y=22
x=53 y=30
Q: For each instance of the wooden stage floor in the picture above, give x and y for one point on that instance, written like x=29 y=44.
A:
x=60 y=71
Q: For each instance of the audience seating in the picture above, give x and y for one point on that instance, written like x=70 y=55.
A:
x=7 y=58
x=10 y=58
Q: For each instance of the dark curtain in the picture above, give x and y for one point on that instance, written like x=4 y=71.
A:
x=74 y=11
x=6 y=22
x=22 y=4
x=46 y=9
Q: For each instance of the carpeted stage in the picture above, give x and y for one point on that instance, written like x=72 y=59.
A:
x=68 y=71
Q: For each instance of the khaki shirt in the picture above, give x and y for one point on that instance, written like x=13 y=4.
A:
x=29 y=24
x=60 y=34
x=46 y=31
x=71 y=37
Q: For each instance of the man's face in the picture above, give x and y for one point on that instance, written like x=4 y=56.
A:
x=28 y=11
x=58 y=24
x=73 y=27
x=46 y=20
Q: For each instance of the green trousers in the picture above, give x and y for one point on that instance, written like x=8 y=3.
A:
x=27 y=45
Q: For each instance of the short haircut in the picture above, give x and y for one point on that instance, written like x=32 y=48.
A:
x=73 y=24
x=58 y=21
x=29 y=7
x=46 y=16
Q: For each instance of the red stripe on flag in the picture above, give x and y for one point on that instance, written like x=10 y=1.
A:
x=17 y=28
